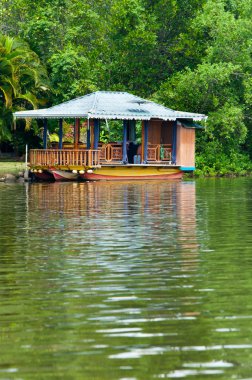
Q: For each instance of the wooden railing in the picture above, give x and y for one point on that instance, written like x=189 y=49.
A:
x=156 y=152
x=107 y=153
x=64 y=157
x=111 y=152
x=159 y=152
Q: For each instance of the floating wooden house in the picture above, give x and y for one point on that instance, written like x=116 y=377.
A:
x=165 y=147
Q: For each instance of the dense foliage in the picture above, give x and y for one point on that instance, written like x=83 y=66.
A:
x=22 y=80
x=194 y=56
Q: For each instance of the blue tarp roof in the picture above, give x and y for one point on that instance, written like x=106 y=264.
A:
x=190 y=124
x=109 y=105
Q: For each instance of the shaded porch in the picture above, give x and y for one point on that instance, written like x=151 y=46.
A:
x=155 y=143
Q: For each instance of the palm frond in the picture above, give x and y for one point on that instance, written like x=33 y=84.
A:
x=30 y=98
x=8 y=94
x=22 y=76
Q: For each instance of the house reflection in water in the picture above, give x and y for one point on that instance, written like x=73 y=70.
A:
x=131 y=215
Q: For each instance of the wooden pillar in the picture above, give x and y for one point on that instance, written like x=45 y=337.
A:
x=174 y=142
x=145 y=141
x=91 y=128
x=45 y=134
x=88 y=135
x=60 y=133
x=96 y=133
x=142 y=144
x=88 y=138
x=76 y=133
x=125 y=158
x=79 y=132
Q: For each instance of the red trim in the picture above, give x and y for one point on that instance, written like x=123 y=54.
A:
x=100 y=177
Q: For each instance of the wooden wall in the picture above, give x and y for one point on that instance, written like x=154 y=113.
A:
x=154 y=132
x=185 y=146
x=160 y=132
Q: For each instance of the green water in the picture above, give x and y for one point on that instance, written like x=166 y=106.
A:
x=126 y=281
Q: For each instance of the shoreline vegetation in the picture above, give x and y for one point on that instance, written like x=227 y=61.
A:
x=200 y=58
x=11 y=170
x=220 y=164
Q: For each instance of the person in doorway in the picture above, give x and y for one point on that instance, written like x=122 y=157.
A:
x=131 y=152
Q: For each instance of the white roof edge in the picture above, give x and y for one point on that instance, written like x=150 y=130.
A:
x=25 y=115
x=131 y=117
x=88 y=116
x=108 y=118
x=41 y=115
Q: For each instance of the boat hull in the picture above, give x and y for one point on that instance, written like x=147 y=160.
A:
x=63 y=175
x=131 y=173
x=44 y=175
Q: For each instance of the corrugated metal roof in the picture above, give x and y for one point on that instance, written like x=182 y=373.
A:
x=109 y=105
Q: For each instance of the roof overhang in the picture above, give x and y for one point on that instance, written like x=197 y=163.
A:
x=109 y=105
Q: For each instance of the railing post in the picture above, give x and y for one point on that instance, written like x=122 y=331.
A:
x=98 y=157
x=108 y=152
x=89 y=158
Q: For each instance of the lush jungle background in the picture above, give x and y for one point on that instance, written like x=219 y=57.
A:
x=188 y=55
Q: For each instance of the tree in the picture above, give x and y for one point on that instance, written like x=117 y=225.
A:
x=23 y=80
x=70 y=75
x=132 y=40
x=220 y=83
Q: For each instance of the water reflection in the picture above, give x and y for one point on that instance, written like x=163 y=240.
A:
x=102 y=211
x=124 y=281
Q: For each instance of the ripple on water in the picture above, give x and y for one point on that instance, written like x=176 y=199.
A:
x=126 y=281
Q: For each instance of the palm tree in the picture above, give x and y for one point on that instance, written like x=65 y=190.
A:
x=23 y=80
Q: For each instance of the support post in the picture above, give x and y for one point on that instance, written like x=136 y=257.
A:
x=125 y=158
x=45 y=134
x=88 y=135
x=174 y=142
x=96 y=133
x=91 y=126
x=26 y=173
x=76 y=133
x=60 y=133
x=145 y=152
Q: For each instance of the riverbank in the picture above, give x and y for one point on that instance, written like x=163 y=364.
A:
x=11 y=170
